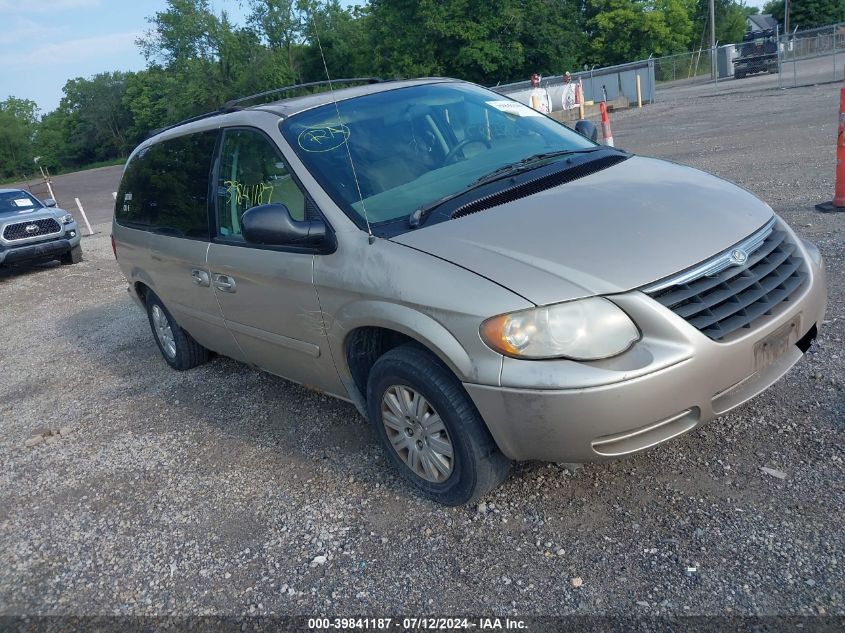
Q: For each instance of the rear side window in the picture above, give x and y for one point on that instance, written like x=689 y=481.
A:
x=165 y=187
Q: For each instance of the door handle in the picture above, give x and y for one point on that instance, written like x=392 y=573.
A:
x=224 y=283
x=201 y=277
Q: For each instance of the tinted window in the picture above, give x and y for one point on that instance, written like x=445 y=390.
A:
x=165 y=186
x=252 y=173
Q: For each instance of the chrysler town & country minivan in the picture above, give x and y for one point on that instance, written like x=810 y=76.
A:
x=484 y=284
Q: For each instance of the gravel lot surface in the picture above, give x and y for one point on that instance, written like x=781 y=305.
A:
x=226 y=491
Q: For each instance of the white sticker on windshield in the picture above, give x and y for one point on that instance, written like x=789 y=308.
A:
x=22 y=202
x=512 y=107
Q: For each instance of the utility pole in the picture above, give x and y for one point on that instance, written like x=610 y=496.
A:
x=786 y=8
x=713 y=38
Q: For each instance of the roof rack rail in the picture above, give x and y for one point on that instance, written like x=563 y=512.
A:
x=199 y=117
x=235 y=103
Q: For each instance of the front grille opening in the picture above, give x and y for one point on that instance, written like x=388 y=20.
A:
x=736 y=297
x=19 y=230
x=538 y=184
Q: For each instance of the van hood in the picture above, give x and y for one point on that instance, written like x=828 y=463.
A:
x=612 y=231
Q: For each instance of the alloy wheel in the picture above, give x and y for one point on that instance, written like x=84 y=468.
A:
x=163 y=332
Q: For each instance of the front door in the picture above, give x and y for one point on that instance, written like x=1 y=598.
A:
x=266 y=294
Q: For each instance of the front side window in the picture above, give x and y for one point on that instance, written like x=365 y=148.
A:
x=252 y=173
x=415 y=145
x=165 y=187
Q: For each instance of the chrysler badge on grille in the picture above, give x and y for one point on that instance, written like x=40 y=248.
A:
x=738 y=256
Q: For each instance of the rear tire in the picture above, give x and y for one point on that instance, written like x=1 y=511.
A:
x=177 y=347
x=430 y=416
x=73 y=256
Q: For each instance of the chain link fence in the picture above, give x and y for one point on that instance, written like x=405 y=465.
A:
x=770 y=59
x=812 y=56
x=690 y=67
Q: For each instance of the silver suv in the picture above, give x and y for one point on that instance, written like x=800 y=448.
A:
x=31 y=230
x=484 y=284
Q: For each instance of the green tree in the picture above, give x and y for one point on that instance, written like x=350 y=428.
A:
x=185 y=30
x=198 y=61
x=283 y=26
x=775 y=8
x=626 y=30
x=553 y=38
x=51 y=140
x=807 y=14
x=18 y=120
x=471 y=39
x=344 y=39
x=97 y=119
x=152 y=98
x=730 y=21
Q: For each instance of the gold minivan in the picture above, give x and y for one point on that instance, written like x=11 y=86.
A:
x=483 y=283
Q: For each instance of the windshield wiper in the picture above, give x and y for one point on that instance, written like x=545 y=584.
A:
x=506 y=171
x=419 y=214
x=528 y=163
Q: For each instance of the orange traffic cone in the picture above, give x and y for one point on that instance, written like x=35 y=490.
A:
x=838 y=202
x=606 y=133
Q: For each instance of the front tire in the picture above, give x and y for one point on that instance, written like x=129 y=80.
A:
x=430 y=429
x=177 y=347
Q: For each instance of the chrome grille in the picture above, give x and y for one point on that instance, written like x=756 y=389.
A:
x=35 y=228
x=719 y=298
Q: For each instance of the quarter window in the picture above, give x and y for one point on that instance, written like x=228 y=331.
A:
x=252 y=173
x=165 y=187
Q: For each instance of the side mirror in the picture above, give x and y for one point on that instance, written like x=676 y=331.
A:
x=273 y=225
x=588 y=129
x=48 y=202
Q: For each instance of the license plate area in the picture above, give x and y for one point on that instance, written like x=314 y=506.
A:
x=775 y=344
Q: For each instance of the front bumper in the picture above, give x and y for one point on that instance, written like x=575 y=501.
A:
x=672 y=381
x=51 y=249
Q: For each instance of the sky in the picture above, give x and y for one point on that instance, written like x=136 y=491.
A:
x=47 y=42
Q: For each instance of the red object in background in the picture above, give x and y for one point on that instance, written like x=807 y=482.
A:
x=113 y=247
x=838 y=202
x=606 y=133
x=839 y=187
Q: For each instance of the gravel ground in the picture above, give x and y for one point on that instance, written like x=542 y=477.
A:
x=226 y=491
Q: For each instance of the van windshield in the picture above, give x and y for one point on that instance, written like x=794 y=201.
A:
x=413 y=146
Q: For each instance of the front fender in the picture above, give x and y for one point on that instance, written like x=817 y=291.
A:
x=405 y=320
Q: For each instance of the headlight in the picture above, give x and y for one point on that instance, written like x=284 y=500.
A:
x=67 y=219
x=587 y=329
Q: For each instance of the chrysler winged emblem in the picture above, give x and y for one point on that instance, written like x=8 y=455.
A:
x=738 y=256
